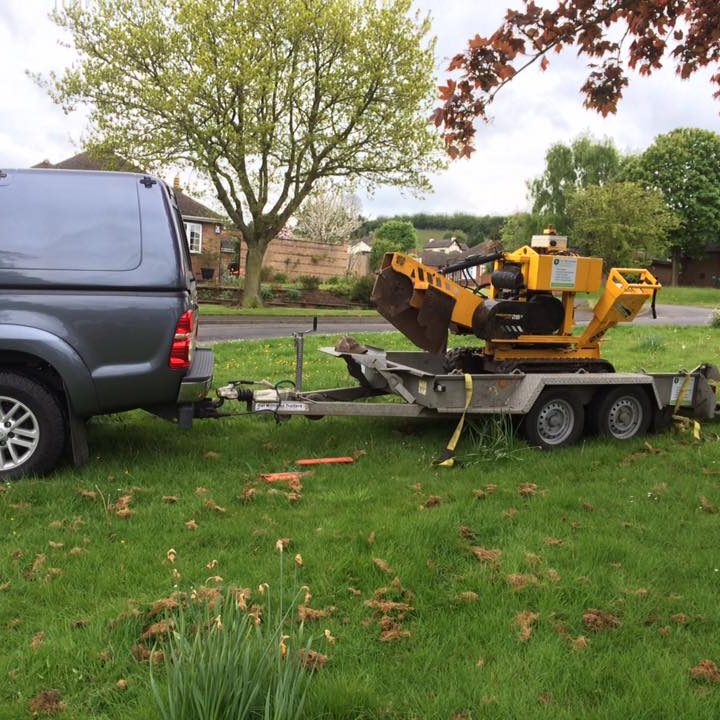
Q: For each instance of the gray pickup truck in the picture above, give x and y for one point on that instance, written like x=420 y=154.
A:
x=98 y=311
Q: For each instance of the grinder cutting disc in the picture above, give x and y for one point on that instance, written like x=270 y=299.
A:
x=428 y=327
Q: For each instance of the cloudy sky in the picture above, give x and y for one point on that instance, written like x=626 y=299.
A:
x=534 y=111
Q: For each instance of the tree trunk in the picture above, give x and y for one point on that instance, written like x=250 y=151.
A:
x=676 y=257
x=253 y=266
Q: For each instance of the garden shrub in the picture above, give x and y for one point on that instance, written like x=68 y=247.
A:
x=309 y=282
x=362 y=288
x=339 y=286
x=293 y=295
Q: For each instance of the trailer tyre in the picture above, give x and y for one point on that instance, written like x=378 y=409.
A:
x=32 y=427
x=622 y=414
x=555 y=420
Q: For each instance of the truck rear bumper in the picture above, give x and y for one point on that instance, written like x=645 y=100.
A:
x=196 y=383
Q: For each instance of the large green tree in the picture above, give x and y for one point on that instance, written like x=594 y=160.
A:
x=392 y=236
x=623 y=223
x=685 y=165
x=264 y=97
x=519 y=229
x=568 y=168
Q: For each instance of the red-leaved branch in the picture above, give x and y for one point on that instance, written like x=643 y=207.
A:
x=687 y=31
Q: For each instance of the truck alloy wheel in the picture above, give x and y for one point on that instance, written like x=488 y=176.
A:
x=32 y=427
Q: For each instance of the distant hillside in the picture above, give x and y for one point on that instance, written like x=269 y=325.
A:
x=475 y=228
x=425 y=235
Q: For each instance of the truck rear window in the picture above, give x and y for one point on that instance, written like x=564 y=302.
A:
x=64 y=220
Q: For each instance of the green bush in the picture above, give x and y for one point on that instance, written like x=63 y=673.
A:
x=266 y=293
x=266 y=273
x=339 y=286
x=309 y=282
x=280 y=277
x=362 y=288
x=340 y=290
x=715 y=319
x=293 y=295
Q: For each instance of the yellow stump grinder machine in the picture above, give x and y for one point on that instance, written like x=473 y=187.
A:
x=527 y=316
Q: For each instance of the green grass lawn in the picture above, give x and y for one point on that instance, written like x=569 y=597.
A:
x=708 y=297
x=602 y=597
x=667 y=295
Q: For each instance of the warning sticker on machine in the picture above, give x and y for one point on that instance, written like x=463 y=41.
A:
x=282 y=407
x=683 y=384
x=564 y=272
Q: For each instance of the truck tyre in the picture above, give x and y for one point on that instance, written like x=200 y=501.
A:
x=32 y=427
x=622 y=414
x=555 y=420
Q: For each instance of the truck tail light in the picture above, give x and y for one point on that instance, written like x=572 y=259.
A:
x=182 y=346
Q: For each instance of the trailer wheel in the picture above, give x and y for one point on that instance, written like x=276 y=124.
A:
x=555 y=420
x=623 y=413
x=32 y=427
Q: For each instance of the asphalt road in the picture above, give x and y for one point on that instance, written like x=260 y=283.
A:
x=253 y=328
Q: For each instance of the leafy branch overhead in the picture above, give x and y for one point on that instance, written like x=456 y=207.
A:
x=613 y=34
x=264 y=97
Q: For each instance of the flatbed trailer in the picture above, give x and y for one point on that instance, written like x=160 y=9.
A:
x=554 y=407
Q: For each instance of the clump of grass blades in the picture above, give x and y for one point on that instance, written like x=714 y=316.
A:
x=222 y=664
x=492 y=438
x=715 y=318
x=651 y=344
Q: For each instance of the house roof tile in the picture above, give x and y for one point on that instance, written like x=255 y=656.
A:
x=437 y=243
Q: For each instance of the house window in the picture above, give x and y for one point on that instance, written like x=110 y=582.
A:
x=194 y=236
x=227 y=244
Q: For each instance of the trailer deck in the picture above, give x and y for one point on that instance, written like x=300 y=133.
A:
x=556 y=406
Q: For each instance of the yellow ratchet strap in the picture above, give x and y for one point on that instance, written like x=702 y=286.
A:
x=683 y=423
x=447 y=459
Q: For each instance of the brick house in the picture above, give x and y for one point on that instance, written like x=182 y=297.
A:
x=209 y=245
x=699 y=272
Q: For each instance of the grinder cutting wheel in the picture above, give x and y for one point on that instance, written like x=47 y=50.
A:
x=527 y=318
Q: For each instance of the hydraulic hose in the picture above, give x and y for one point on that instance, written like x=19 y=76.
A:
x=471 y=261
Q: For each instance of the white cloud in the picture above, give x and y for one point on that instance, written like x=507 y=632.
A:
x=32 y=127
x=534 y=111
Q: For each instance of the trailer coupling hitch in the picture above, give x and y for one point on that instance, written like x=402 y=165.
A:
x=208 y=409
x=234 y=390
